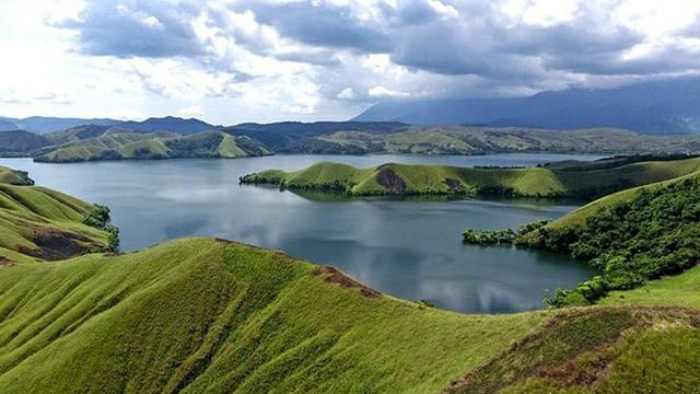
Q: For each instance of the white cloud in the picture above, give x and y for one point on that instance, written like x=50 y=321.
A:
x=381 y=91
x=346 y=94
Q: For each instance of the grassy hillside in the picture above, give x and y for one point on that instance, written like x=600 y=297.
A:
x=478 y=140
x=120 y=145
x=42 y=223
x=221 y=316
x=679 y=290
x=14 y=177
x=401 y=179
x=207 y=315
x=598 y=350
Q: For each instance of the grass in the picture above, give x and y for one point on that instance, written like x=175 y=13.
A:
x=598 y=350
x=221 y=316
x=680 y=290
x=13 y=177
x=44 y=223
x=206 y=315
x=436 y=179
x=129 y=146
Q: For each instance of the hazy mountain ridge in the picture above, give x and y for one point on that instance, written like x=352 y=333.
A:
x=665 y=106
x=44 y=125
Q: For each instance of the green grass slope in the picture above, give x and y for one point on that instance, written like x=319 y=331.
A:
x=14 y=177
x=679 y=290
x=42 y=223
x=405 y=179
x=204 y=315
x=598 y=350
x=119 y=145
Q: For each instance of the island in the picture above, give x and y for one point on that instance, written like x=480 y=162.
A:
x=558 y=180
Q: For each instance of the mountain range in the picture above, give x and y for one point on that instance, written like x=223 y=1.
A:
x=653 y=107
x=44 y=125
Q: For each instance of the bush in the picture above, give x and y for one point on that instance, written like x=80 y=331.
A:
x=656 y=233
x=99 y=217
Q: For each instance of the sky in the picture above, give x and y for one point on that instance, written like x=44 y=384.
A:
x=228 y=62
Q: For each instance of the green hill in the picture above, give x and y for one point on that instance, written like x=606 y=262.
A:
x=42 y=223
x=120 y=145
x=206 y=315
x=14 y=177
x=402 y=179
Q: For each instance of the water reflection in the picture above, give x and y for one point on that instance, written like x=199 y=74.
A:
x=409 y=248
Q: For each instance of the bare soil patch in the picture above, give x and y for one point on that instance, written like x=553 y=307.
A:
x=388 y=179
x=333 y=275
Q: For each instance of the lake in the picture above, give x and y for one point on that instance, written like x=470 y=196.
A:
x=410 y=248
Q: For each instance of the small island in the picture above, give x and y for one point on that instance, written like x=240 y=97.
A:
x=557 y=180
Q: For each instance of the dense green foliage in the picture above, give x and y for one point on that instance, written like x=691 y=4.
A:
x=655 y=233
x=403 y=179
x=488 y=237
x=500 y=237
x=99 y=217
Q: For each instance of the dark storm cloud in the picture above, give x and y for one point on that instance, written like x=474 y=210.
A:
x=323 y=25
x=152 y=29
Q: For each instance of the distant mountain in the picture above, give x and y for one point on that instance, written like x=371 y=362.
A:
x=657 y=107
x=169 y=123
x=21 y=143
x=7 y=124
x=287 y=136
x=42 y=125
x=117 y=144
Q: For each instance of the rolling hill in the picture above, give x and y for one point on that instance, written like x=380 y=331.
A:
x=661 y=107
x=207 y=315
x=461 y=140
x=20 y=143
x=401 y=179
x=119 y=145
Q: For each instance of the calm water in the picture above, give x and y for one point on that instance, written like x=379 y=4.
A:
x=410 y=249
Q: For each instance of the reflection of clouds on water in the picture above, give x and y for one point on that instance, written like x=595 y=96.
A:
x=184 y=228
x=406 y=248
x=496 y=298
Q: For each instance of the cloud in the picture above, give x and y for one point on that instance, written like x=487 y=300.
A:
x=321 y=24
x=308 y=59
x=381 y=91
x=346 y=94
x=153 y=29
